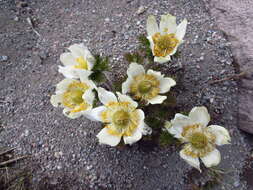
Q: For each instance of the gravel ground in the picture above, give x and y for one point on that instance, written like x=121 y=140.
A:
x=66 y=154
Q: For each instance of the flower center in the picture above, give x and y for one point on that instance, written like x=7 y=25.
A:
x=82 y=63
x=121 y=119
x=73 y=95
x=164 y=44
x=198 y=140
x=144 y=87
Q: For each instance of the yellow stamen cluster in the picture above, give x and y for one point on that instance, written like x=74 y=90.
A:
x=201 y=141
x=72 y=97
x=144 y=87
x=164 y=44
x=121 y=117
x=82 y=63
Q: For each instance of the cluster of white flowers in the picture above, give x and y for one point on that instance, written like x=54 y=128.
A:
x=120 y=113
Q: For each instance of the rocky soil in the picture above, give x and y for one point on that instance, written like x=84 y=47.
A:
x=65 y=153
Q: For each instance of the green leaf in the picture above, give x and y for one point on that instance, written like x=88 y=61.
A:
x=167 y=139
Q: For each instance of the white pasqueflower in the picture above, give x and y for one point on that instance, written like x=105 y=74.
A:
x=199 y=139
x=146 y=86
x=165 y=39
x=79 y=58
x=121 y=118
x=75 y=96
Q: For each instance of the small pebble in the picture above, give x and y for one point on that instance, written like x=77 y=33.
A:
x=3 y=58
x=140 y=10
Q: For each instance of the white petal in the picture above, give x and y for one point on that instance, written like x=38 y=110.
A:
x=68 y=72
x=152 y=45
x=200 y=115
x=166 y=84
x=181 y=29
x=168 y=24
x=156 y=74
x=157 y=100
x=141 y=116
x=126 y=85
x=77 y=50
x=63 y=85
x=89 y=58
x=83 y=74
x=152 y=26
x=212 y=159
x=56 y=100
x=135 y=69
x=89 y=96
x=67 y=59
x=222 y=135
x=95 y=114
x=106 y=96
x=178 y=123
x=162 y=59
x=71 y=115
x=105 y=138
x=136 y=136
x=194 y=162
x=125 y=98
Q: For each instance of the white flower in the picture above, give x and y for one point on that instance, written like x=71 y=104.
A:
x=79 y=58
x=75 y=96
x=165 y=39
x=146 y=86
x=199 y=139
x=121 y=119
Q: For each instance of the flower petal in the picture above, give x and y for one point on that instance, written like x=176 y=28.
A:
x=194 y=162
x=168 y=24
x=152 y=26
x=63 y=85
x=157 y=74
x=68 y=72
x=162 y=59
x=181 y=29
x=135 y=69
x=166 y=84
x=105 y=137
x=157 y=100
x=136 y=136
x=71 y=115
x=106 y=96
x=125 y=98
x=126 y=85
x=95 y=114
x=200 y=115
x=212 y=159
x=222 y=134
x=77 y=50
x=83 y=74
x=67 y=59
x=89 y=96
x=178 y=123
x=152 y=45
x=56 y=100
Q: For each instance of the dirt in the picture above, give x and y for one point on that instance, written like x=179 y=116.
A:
x=65 y=153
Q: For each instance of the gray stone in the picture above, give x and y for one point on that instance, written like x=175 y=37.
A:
x=235 y=18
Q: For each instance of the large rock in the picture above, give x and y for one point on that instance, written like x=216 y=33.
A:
x=236 y=19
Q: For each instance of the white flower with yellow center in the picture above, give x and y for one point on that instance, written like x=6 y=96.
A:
x=165 y=39
x=146 y=86
x=79 y=58
x=75 y=96
x=121 y=118
x=199 y=139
